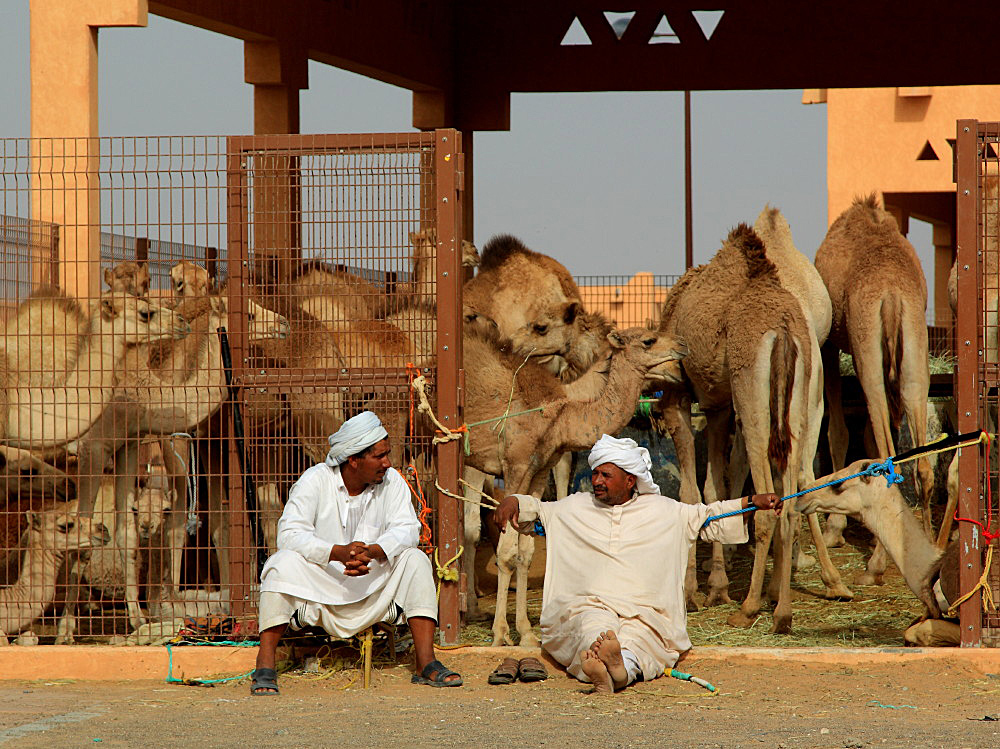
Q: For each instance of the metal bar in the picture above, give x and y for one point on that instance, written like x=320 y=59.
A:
x=688 y=197
x=449 y=362
x=968 y=342
x=322 y=144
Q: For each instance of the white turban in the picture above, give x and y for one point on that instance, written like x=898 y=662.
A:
x=628 y=456
x=357 y=433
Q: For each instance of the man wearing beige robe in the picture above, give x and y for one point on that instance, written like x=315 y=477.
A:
x=613 y=602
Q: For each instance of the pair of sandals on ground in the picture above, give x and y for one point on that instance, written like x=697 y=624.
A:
x=511 y=669
x=435 y=674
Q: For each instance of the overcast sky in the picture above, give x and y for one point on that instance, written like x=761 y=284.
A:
x=595 y=180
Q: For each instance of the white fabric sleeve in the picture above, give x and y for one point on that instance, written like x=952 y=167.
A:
x=402 y=526
x=530 y=509
x=731 y=530
x=297 y=525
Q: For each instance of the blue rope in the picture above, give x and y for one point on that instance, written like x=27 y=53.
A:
x=688 y=677
x=885 y=469
x=171 y=679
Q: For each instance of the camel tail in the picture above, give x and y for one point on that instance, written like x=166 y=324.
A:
x=892 y=351
x=783 y=359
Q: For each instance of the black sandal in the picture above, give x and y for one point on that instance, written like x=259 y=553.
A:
x=440 y=674
x=505 y=673
x=264 y=680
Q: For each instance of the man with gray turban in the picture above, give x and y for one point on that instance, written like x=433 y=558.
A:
x=347 y=556
x=613 y=606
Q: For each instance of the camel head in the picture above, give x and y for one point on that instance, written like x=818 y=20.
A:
x=424 y=243
x=154 y=499
x=128 y=278
x=139 y=320
x=589 y=343
x=658 y=355
x=190 y=279
x=470 y=255
x=63 y=531
x=265 y=324
x=854 y=497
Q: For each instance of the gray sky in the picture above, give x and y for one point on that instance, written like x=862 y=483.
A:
x=595 y=180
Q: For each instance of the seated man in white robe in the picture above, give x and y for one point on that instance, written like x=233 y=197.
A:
x=347 y=556
x=613 y=603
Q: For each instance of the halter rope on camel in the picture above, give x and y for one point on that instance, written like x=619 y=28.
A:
x=886 y=468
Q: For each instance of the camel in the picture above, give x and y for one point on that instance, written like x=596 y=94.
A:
x=50 y=537
x=332 y=295
x=189 y=279
x=423 y=274
x=50 y=414
x=879 y=298
x=128 y=278
x=750 y=350
x=559 y=419
x=882 y=509
x=528 y=297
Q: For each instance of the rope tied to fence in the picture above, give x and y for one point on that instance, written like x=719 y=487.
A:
x=988 y=603
x=418 y=492
x=445 y=572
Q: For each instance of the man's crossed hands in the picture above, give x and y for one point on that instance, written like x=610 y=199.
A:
x=356 y=556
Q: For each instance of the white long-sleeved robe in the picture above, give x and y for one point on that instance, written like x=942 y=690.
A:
x=621 y=568
x=320 y=513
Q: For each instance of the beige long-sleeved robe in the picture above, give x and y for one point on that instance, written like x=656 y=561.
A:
x=621 y=568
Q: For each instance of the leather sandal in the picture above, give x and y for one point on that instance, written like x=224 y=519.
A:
x=505 y=673
x=264 y=681
x=531 y=669
x=435 y=674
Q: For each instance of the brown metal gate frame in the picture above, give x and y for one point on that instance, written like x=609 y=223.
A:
x=445 y=147
x=976 y=381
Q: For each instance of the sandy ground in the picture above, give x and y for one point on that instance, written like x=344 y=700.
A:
x=762 y=703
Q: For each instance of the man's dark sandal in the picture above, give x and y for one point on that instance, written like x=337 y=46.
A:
x=440 y=675
x=505 y=673
x=531 y=669
x=264 y=680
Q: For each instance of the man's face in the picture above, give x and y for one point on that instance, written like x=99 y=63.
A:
x=371 y=468
x=611 y=484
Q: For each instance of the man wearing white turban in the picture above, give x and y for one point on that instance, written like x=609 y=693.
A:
x=613 y=603
x=347 y=556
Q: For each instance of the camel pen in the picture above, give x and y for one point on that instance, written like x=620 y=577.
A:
x=249 y=490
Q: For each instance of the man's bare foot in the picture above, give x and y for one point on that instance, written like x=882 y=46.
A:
x=609 y=650
x=597 y=672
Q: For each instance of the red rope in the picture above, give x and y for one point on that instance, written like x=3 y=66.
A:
x=985 y=530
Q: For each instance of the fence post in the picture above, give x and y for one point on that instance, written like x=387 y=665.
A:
x=967 y=345
x=447 y=150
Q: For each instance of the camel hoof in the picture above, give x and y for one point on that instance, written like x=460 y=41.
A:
x=867 y=578
x=782 y=625
x=65 y=640
x=804 y=562
x=26 y=639
x=529 y=640
x=839 y=593
x=717 y=597
x=695 y=601
x=834 y=541
x=739 y=619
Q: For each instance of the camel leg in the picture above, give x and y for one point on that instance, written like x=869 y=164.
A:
x=837 y=436
x=675 y=410
x=718 y=441
x=561 y=474
x=473 y=533
x=507 y=549
x=269 y=501
x=66 y=628
x=175 y=450
x=218 y=523
x=126 y=471
x=949 y=511
x=764 y=525
x=828 y=572
x=875 y=573
x=525 y=553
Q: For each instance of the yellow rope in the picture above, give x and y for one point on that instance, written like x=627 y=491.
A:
x=446 y=572
x=424 y=407
x=988 y=604
x=983 y=437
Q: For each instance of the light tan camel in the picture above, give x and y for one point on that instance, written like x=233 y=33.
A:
x=129 y=278
x=884 y=512
x=51 y=414
x=332 y=295
x=189 y=279
x=423 y=274
x=555 y=421
x=50 y=537
x=879 y=298
x=528 y=297
x=750 y=350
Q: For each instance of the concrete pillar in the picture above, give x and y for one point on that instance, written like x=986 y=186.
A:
x=277 y=71
x=65 y=153
x=944 y=256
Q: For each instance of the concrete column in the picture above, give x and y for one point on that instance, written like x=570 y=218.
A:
x=277 y=71
x=65 y=153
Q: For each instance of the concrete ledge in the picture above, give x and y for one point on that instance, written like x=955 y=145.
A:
x=105 y=663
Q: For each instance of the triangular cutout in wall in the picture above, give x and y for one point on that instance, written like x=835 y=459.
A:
x=575 y=35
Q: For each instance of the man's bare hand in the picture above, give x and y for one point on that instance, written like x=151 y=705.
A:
x=766 y=502
x=348 y=552
x=505 y=513
x=356 y=568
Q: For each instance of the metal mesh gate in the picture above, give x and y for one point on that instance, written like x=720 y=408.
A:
x=223 y=305
x=978 y=371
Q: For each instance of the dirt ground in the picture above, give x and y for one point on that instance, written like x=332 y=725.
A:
x=764 y=703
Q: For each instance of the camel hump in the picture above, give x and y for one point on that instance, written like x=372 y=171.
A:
x=752 y=246
x=499 y=249
x=869 y=207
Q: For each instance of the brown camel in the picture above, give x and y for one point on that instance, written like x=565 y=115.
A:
x=884 y=512
x=129 y=278
x=190 y=279
x=423 y=273
x=879 y=298
x=332 y=295
x=530 y=443
x=750 y=350
x=528 y=297
x=50 y=537
x=71 y=394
